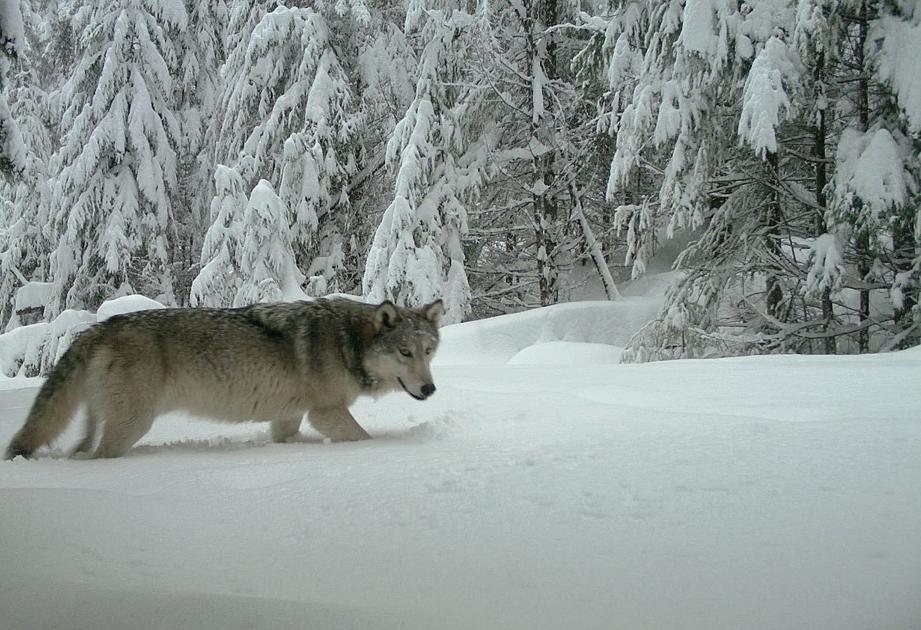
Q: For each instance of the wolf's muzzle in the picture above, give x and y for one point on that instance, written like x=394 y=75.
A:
x=427 y=390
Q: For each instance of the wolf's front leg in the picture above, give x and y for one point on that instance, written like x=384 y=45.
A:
x=336 y=424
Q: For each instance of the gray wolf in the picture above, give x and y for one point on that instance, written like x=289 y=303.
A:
x=269 y=362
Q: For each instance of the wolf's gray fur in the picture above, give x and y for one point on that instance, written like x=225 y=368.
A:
x=271 y=362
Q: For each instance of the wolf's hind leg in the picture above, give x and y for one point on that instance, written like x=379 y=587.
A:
x=125 y=422
x=285 y=428
x=337 y=424
x=85 y=446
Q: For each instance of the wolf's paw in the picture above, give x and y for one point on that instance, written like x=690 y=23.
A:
x=348 y=437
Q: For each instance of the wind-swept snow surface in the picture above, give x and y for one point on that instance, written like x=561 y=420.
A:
x=558 y=491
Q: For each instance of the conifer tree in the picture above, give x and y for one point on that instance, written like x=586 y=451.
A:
x=200 y=52
x=221 y=273
x=297 y=127
x=267 y=264
x=24 y=215
x=12 y=151
x=113 y=195
x=416 y=255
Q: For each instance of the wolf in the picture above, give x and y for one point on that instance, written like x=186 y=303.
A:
x=269 y=362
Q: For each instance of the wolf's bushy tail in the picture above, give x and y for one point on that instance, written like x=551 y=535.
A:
x=57 y=400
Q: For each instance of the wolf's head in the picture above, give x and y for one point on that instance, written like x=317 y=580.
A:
x=404 y=342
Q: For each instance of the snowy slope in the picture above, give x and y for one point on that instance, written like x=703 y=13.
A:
x=541 y=487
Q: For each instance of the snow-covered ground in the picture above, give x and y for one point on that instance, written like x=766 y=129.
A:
x=543 y=486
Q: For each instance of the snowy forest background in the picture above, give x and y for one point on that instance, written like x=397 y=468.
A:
x=494 y=153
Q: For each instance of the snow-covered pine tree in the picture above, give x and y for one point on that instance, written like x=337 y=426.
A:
x=813 y=38
x=267 y=263
x=896 y=42
x=876 y=199
x=712 y=92
x=416 y=255
x=116 y=169
x=296 y=125
x=220 y=276
x=199 y=55
x=12 y=40
x=666 y=65
x=23 y=243
x=385 y=77
x=317 y=164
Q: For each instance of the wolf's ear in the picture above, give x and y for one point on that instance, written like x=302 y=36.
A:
x=385 y=315
x=434 y=312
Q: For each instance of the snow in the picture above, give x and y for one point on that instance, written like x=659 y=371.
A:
x=763 y=492
x=125 y=304
x=267 y=260
x=24 y=350
x=870 y=167
x=901 y=48
x=500 y=340
x=33 y=295
x=22 y=346
x=827 y=267
x=697 y=29
x=567 y=353
x=11 y=26
x=764 y=99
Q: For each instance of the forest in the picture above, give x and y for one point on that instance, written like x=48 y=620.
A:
x=497 y=154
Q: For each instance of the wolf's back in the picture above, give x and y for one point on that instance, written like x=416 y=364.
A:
x=58 y=398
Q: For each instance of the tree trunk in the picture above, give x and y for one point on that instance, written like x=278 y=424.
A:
x=541 y=51
x=772 y=221
x=864 y=256
x=593 y=246
x=821 y=179
x=904 y=254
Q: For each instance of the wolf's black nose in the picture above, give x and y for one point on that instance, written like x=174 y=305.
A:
x=428 y=389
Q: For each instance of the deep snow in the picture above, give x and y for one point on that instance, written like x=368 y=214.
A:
x=541 y=487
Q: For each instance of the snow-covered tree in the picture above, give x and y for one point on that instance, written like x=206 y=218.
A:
x=416 y=255
x=896 y=40
x=12 y=40
x=116 y=168
x=221 y=273
x=813 y=38
x=290 y=118
x=267 y=263
x=735 y=112
x=707 y=115
x=199 y=54
x=23 y=242
x=876 y=199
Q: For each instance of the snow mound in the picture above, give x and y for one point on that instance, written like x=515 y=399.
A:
x=33 y=295
x=29 y=350
x=567 y=353
x=438 y=428
x=126 y=304
x=587 y=325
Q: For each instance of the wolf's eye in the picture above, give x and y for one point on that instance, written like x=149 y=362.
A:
x=405 y=352
x=428 y=351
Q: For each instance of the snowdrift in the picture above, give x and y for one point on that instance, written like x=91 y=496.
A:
x=564 y=333
x=32 y=350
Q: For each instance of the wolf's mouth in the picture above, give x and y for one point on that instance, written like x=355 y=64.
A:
x=403 y=385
